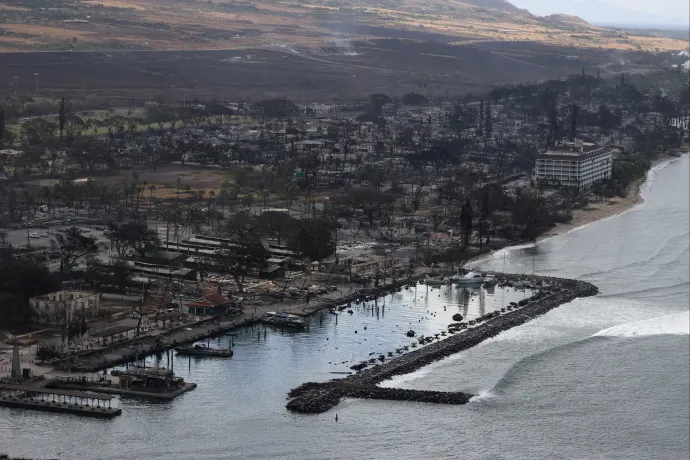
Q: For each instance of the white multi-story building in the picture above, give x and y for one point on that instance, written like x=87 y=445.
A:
x=65 y=307
x=574 y=164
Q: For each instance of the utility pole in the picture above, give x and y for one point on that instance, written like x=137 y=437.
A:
x=36 y=91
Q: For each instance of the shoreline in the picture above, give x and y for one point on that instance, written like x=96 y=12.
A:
x=582 y=218
x=610 y=208
x=599 y=211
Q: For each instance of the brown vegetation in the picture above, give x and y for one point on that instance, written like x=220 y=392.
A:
x=138 y=24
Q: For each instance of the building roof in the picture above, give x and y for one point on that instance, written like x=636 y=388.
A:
x=573 y=151
x=210 y=301
x=215 y=299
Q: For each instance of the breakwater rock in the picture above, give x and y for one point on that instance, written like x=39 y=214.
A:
x=314 y=398
x=320 y=397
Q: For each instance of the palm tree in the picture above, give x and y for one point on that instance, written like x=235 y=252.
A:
x=152 y=188
x=211 y=196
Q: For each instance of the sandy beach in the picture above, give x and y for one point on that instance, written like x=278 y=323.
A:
x=598 y=211
x=606 y=208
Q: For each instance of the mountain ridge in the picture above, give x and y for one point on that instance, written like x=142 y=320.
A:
x=82 y=25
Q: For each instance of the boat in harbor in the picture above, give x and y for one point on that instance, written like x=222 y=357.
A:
x=490 y=281
x=203 y=350
x=436 y=282
x=471 y=278
x=284 y=320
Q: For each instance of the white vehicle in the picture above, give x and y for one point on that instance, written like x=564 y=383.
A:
x=471 y=278
x=34 y=235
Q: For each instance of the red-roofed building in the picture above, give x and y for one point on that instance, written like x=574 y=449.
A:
x=209 y=305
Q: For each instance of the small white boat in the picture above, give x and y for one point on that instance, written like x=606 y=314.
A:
x=490 y=280
x=284 y=320
x=471 y=278
x=435 y=281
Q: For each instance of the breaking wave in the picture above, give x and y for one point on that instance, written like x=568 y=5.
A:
x=678 y=324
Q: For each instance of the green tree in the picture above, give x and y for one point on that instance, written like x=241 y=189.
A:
x=134 y=235
x=70 y=245
x=19 y=281
x=314 y=238
x=278 y=225
x=38 y=131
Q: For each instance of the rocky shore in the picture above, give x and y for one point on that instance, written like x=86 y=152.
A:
x=320 y=397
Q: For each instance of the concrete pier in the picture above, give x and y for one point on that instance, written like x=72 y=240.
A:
x=38 y=397
x=52 y=406
x=161 y=396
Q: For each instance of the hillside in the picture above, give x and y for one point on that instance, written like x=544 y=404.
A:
x=501 y=5
x=83 y=25
x=566 y=19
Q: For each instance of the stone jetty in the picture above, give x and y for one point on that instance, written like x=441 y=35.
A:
x=320 y=397
x=314 y=398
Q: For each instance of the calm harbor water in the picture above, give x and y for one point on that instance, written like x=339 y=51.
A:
x=603 y=377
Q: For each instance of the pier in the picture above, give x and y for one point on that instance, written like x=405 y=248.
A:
x=55 y=400
x=164 y=386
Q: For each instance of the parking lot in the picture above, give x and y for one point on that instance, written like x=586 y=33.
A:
x=41 y=237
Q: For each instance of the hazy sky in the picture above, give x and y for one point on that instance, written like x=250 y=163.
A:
x=672 y=11
x=668 y=8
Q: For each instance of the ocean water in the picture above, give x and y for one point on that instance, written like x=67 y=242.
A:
x=605 y=377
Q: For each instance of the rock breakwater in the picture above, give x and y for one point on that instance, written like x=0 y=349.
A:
x=320 y=397
x=314 y=398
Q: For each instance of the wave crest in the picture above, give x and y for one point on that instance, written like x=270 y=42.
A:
x=677 y=324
